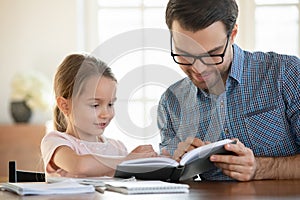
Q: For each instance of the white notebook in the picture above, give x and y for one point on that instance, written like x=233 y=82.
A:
x=146 y=187
x=42 y=188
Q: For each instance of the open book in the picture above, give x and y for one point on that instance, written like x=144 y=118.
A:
x=43 y=188
x=161 y=168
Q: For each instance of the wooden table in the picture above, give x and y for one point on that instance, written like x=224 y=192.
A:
x=21 y=142
x=253 y=190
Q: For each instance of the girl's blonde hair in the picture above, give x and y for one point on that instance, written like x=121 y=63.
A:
x=70 y=77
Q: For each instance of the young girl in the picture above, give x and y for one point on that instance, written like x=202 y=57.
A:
x=85 y=91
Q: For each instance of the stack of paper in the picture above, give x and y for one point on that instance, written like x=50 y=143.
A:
x=42 y=188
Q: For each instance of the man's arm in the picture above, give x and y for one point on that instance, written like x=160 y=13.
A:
x=244 y=166
x=278 y=167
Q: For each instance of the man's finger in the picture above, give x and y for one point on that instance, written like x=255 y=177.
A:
x=165 y=153
x=197 y=142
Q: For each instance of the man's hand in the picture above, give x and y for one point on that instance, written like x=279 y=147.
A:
x=189 y=144
x=241 y=166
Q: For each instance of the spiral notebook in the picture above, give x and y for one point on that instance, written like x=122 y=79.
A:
x=147 y=187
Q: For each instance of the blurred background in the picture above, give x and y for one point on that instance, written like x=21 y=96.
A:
x=36 y=35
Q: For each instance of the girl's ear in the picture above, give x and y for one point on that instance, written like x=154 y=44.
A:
x=63 y=105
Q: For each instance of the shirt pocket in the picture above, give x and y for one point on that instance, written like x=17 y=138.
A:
x=265 y=126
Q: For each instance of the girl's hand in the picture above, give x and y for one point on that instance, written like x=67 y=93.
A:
x=142 y=151
x=64 y=173
x=165 y=153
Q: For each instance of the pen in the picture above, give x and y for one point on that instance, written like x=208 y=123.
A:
x=100 y=189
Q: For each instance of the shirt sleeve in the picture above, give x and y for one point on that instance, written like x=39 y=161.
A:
x=169 y=139
x=291 y=91
x=49 y=144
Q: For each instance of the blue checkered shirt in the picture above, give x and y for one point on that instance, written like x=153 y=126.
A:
x=262 y=108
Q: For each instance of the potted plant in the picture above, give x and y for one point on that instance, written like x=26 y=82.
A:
x=30 y=92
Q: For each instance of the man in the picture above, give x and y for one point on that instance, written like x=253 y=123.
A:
x=229 y=93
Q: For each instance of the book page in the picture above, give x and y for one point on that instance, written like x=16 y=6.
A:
x=202 y=151
x=154 y=161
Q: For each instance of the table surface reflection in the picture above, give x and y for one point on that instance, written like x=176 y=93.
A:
x=268 y=189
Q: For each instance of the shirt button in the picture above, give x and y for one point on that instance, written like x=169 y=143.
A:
x=226 y=131
x=222 y=104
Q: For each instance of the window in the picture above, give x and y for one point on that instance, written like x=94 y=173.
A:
x=265 y=25
x=117 y=16
x=277 y=26
x=143 y=73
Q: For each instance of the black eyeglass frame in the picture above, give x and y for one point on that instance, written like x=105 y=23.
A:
x=201 y=56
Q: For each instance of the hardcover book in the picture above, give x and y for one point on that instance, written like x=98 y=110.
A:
x=192 y=163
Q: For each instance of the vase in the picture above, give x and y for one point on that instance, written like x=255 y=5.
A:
x=20 y=111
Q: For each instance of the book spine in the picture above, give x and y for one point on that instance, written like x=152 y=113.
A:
x=176 y=173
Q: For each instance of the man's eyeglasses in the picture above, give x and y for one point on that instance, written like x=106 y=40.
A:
x=207 y=59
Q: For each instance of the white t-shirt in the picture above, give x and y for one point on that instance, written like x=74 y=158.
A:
x=55 y=139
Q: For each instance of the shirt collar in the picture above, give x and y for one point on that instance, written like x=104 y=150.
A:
x=236 y=69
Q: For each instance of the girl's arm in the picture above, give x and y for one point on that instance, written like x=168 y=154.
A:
x=75 y=165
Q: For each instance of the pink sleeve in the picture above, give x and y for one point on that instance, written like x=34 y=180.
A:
x=49 y=144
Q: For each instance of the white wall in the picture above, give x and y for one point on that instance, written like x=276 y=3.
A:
x=38 y=34
x=245 y=36
x=34 y=34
